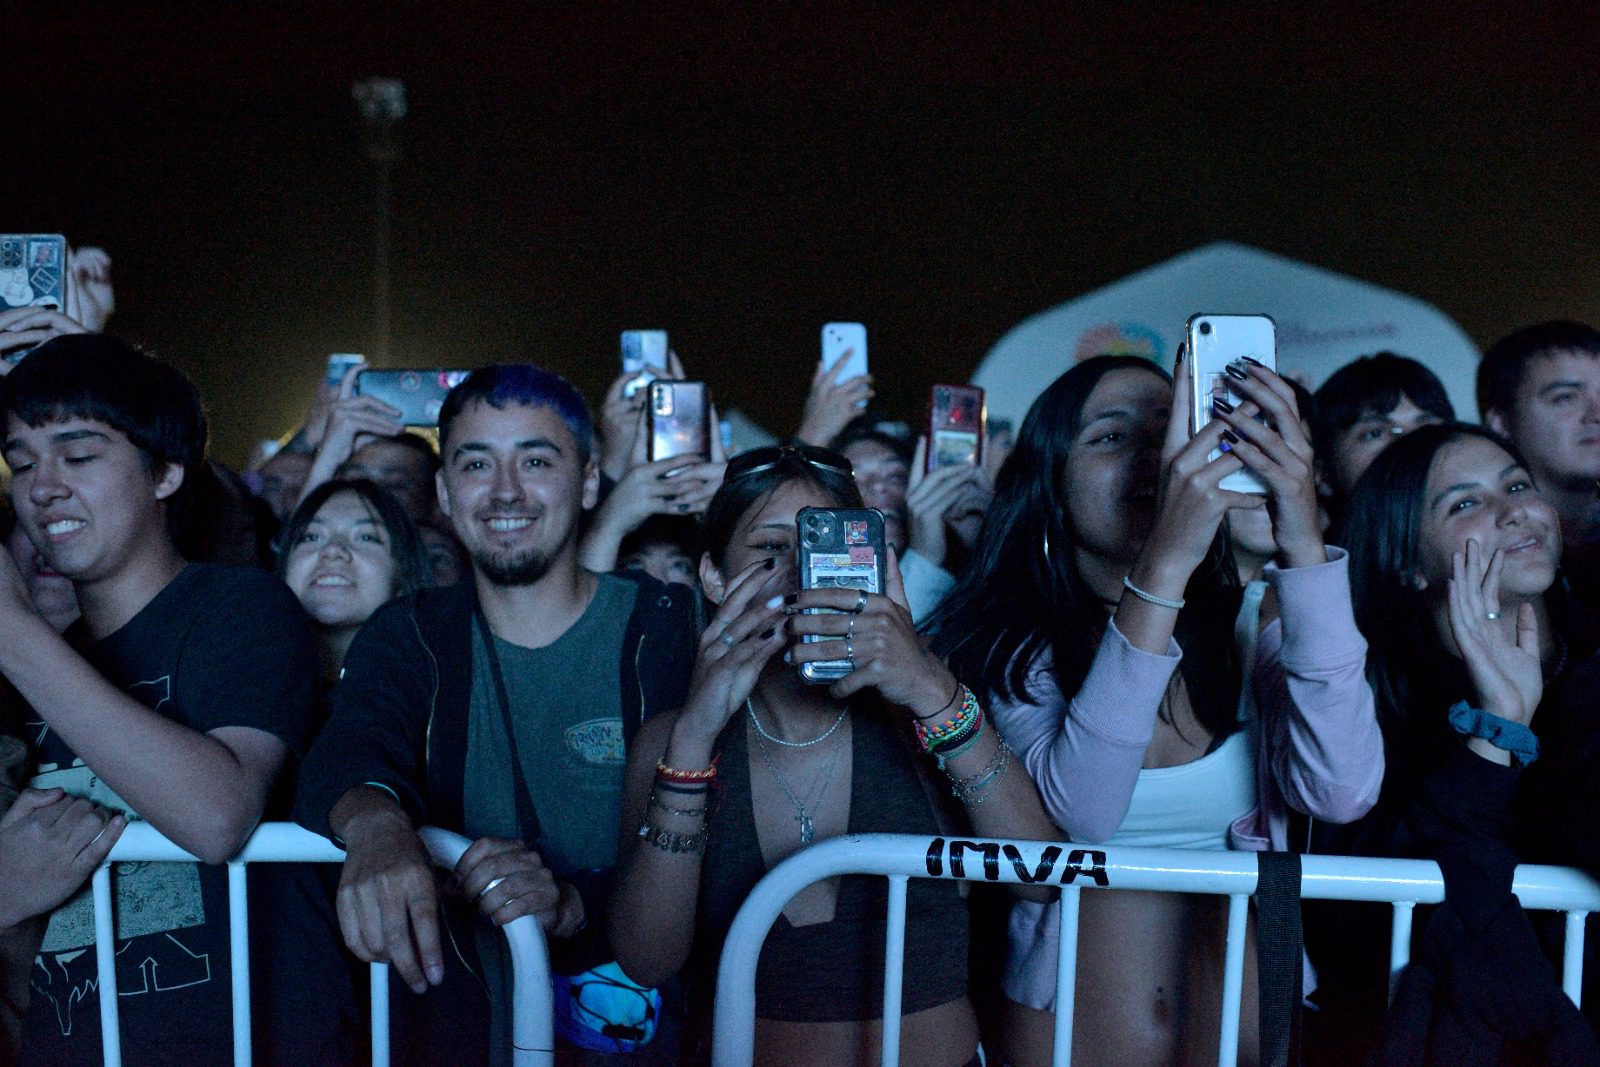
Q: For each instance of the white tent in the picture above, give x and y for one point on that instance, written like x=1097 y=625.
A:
x=1324 y=321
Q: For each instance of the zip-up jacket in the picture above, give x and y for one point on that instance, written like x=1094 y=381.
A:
x=402 y=706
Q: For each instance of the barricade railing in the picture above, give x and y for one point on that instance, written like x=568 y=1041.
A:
x=1070 y=867
x=532 y=1037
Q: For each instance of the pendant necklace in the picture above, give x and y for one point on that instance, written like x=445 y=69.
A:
x=803 y=817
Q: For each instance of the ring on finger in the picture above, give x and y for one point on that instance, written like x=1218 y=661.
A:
x=850 y=631
x=850 y=649
x=861 y=602
x=727 y=639
x=490 y=888
x=1493 y=615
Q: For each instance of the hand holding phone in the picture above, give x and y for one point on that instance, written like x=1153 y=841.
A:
x=958 y=423
x=416 y=394
x=839 y=548
x=679 y=420
x=644 y=354
x=1221 y=347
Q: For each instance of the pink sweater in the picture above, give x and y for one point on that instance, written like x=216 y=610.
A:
x=1319 y=748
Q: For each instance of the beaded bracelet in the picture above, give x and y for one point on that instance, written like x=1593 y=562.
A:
x=945 y=753
x=956 y=725
x=957 y=742
x=672 y=774
x=668 y=841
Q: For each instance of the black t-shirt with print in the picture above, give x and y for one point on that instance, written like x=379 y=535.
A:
x=219 y=646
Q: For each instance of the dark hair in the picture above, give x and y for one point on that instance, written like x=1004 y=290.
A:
x=415 y=442
x=878 y=429
x=742 y=491
x=1413 y=678
x=1373 y=385
x=411 y=569
x=1504 y=364
x=96 y=376
x=1017 y=599
x=527 y=385
x=680 y=531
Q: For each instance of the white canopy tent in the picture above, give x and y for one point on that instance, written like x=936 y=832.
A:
x=1324 y=320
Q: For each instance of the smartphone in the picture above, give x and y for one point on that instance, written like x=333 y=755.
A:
x=33 y=273
x=680 y=420
x=339 y=363
x=642 y=349
x=845 y=341
x=958 y=423
x=839 y=548
x=1215 y=342
x=418 y=394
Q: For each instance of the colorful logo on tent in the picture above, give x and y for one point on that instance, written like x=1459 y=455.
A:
x=1120 y=339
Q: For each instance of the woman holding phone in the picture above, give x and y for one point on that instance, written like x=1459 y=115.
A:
x=758 y=764
x=1098 y=617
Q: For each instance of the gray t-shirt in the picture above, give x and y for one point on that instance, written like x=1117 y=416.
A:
x=566 y=706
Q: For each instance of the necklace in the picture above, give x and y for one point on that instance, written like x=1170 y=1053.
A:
x=751 y=708
x=802 y=816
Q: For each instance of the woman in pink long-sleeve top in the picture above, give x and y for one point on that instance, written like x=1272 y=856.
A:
x=1104 y=615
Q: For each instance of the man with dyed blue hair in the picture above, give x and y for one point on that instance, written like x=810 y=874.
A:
x=500 y=708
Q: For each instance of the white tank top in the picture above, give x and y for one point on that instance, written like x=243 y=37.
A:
x=1193 y=804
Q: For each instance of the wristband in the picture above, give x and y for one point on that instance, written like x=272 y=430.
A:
x=1150 y=598
x=1508 y=736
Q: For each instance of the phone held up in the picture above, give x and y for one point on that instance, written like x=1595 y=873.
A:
x=642 y=349
x=680 y=420
x=33 y=273
x=417 y=394
x=339 y=364
x=958 y=422
x=845 y=341
x=1217 y=343
x=839 y=548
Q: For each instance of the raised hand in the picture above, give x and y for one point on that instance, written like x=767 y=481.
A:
x=1502 y=660
x=90 y=298
x=28 y=327
x=622 y=416
x=931 y=502
x=879 y=636
x=1278 y=453
x=741 y=637
x=832 y=403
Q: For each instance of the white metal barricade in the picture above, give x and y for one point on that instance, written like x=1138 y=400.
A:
x=1070 y=867
x=531 y=1030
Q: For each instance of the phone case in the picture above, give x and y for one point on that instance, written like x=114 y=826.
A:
x=846 y=341
x=33 y=270
x=839 y=548
x=1214 y=341
x=680 y=420
x=957 y=425
x=641 y=349
x=418 y=394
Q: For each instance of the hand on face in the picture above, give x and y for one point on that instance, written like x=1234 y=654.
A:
x=1501 y=655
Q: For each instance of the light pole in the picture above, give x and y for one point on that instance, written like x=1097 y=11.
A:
x=382 y=102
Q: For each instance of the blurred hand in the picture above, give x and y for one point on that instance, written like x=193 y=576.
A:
x=90 y=299
x=50 y=844
x=831 y=404
x=29 y=327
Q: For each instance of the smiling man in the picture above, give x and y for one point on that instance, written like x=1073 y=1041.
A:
x=1540 y=386
x=500 y=708
x=145 y=707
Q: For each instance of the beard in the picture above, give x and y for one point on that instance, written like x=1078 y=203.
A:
x=512 y=568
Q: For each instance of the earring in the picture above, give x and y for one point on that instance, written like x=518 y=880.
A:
x=1047 y=544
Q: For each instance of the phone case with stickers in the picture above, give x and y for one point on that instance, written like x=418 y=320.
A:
x=33 y=273
x=839 y=548
x=957 y=424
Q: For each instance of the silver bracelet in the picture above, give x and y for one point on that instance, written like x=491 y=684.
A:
x=1150 y=598
x=667 y=841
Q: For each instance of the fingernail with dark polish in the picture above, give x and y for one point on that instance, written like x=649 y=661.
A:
x=1222 y=405
x=1230 y=437
x=772 y=562
x=792 y=599
x=766 y=635
x=1235 y=372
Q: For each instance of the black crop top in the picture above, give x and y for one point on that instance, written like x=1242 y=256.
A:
x=833 y=971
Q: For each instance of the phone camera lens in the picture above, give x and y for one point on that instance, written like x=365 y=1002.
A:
x=1205 y=327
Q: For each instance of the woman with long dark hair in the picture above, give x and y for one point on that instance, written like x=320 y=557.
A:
x=1454 y=558
x=759 y=764
x=1099 y=617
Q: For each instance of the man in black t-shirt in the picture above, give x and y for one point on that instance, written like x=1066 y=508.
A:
x=175 y=699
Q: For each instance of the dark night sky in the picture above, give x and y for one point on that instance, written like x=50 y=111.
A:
x=741 y=176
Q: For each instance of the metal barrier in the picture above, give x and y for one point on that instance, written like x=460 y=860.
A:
x=1403 y=883
x=531 y=1036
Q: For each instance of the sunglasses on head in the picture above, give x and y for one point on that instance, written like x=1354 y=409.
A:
x=764 y=459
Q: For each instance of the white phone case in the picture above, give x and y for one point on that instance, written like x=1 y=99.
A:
x=846 y=341
x=1214 y=341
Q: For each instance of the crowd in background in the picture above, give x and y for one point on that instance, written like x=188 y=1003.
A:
x=594 y=664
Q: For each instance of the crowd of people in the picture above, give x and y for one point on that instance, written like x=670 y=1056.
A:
x=593 y=665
